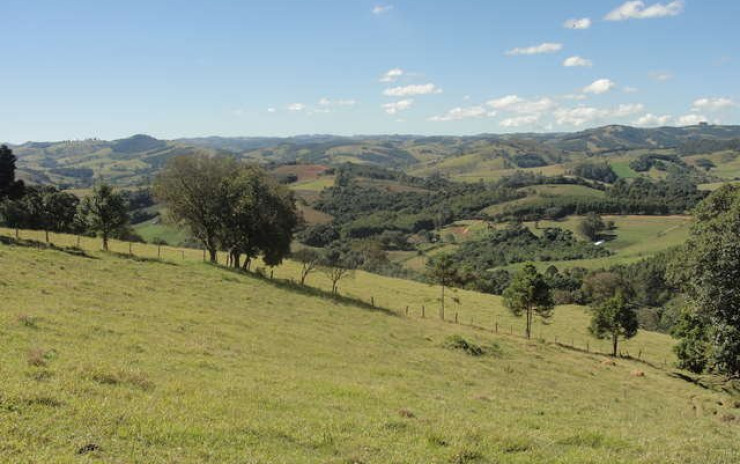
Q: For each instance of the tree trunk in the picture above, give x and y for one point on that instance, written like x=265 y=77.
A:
x=303 y=274
x=247 y=263
x=236 y=259
x=529 y=323
x=615 y=341
x=105 y=241
x=212 y=253
x=46 y=233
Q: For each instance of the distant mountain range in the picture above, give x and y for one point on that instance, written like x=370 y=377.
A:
x=135 y=160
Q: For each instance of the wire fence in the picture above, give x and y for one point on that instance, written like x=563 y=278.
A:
x=487 y=323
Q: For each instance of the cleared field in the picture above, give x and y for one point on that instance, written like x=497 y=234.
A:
x=540 y=193
x=108 y=359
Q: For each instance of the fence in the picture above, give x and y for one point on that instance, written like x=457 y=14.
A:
x=290 y=271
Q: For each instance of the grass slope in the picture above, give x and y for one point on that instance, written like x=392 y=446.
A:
x=183 y=362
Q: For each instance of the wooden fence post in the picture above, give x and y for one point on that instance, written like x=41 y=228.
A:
x=183 y=253
x=407 y=310
x=372 y=301
x=130 y=248
x=455 y=317
x=422 y=311
x=496 y=326
x=17 y=234
x=159 y=251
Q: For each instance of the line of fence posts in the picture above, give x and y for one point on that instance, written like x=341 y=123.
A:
x=572 y=344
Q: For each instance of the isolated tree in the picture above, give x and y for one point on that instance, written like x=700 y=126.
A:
x=529 y=294
x=337 y=264
x=591 y=226
x=192 y=189
x=441 y=271
x=708 y=272
x=614 y=319
x=106 y=213
x=309 y=259
x=9 y=186
x=258 y=217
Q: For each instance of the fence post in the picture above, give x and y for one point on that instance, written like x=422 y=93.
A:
x=130 y=248
x=511 y=330
x=182 y=252
x=17 y=234
x=455 y=317
x=159 y=251
x=407 y=310
x=422 y=311
x=78 y=241
x=496 y=326
x=372 y=301
x=588 y=347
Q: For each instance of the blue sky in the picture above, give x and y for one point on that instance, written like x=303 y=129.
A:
x=109 y=69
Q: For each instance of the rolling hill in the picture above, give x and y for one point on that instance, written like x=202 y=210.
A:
x=108 y=358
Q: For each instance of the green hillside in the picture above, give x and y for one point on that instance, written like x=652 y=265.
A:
x=115 y=359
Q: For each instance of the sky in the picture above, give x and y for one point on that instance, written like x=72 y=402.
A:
x=110 y=69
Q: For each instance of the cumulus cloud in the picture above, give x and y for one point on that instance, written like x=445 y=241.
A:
x=536 y=49
x=575 y=61
x=577 y=23
x=691 y=120
x=712 y=104
x=638 y=10
x=296 y=107
x=582 y=115
x=599 y=86
x=516 y=104
x=271 y=110
x=651 y=120
x=382 y=9
x=411 y=90
x=398 y=106
x=325 y=102
x=660 y=76
x=519 y=121
x=392 y=75
x=459 y=113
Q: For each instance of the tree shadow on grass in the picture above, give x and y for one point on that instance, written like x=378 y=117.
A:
x=70 y=250
x=295 y=287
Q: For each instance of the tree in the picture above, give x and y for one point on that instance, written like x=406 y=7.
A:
x=106 y=213
x=258 y=217
x=614 y=318
x=591 y=226
x=192 y=189
x=529 y=294
x=9 y=187
x=441 y=271
x=337 y=264
x=601 y=286
x=42 y=208
x=707 y=270
x=309 y=259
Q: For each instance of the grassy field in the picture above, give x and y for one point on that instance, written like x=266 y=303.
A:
x=112 y=359
x=154 y=229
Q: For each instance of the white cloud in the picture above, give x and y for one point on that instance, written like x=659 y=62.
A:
x=582 y=115
x=271 y=110
x=651 y=120
x=392 y=75
x=382 y=9
x=575 y=61
x=599 y=86
x=411 y=90
x=691 y=120
x=456 y=114
x=398 y=106
x=712 y=104
x=630 y=90
x=519 y=121
x=577 y=23
x=660 y=76
x=536 y=49
x=336 y=103
x=627 y=110
x=296 y=107
x=638 y=10
x=515 y=104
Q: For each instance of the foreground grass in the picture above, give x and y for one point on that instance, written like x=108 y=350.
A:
x=121 y=360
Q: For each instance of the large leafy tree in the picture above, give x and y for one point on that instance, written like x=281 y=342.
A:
x=9 y=186
x=106 y=213
x=614 y=318
x=530 y=295
x=708 y=271
x=258 y=216
x=42 y=208
x=192 y=188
